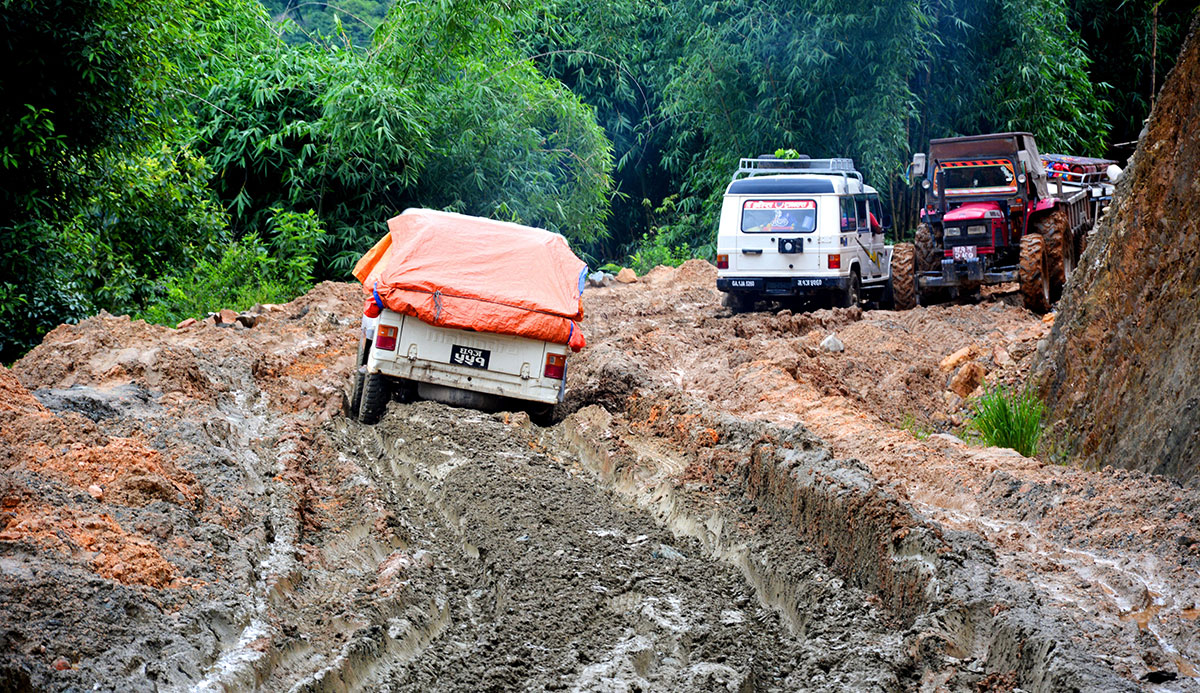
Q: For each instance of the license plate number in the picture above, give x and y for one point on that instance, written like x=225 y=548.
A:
x=469 y=356
x=742 y=283
x=808 y=282
x=964 y=252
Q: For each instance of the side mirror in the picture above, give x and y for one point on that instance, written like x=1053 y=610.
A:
x=918 y=165
x=887 y=221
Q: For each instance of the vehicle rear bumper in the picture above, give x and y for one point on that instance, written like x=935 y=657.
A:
x=782 y=286
x=534 y=389
x=966 y=272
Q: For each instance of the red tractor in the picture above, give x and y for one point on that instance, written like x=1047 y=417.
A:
x=996 y=211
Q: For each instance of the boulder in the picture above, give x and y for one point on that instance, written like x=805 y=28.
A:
x=626 y=276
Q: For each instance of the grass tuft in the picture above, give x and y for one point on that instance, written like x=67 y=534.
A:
x=1009 y=419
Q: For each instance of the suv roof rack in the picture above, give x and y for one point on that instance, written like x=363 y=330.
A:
x=770 y=165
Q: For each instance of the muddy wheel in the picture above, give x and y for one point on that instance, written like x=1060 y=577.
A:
x=1058 y=247
x=360 y=361
x=738 y=303
x=853 y=292
x=903 y=279
x=356 y=393
x=375 y=395
x=1034 y=274
x=542 y=415
x=926 y=252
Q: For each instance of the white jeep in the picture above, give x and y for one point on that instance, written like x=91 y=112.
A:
x=806 y=230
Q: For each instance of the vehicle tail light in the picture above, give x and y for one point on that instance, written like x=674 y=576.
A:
x=385 y=339
x=722 y=262
x=835 y=262
x=556 y=365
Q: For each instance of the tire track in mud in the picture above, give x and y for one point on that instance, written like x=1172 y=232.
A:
x=550 y=580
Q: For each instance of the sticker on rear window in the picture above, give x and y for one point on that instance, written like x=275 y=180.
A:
x=779 y=216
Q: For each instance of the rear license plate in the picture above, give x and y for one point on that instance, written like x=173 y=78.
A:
x=469 y=356
x=964 y=252
x=743 y=283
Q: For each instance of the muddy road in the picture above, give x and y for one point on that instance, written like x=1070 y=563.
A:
x=721 y=506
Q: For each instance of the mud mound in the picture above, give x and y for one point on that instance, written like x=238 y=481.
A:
x=1120 y=375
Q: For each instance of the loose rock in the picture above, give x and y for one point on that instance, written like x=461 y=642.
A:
x=969 y=377
x=832 y=344
x=626 y=276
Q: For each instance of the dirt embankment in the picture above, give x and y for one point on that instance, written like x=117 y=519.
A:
x=1121 y=373
x=1113 y=554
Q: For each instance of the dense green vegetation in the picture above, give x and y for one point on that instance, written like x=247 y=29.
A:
x=163 y=158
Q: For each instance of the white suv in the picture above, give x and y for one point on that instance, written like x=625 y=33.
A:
x=804 y=229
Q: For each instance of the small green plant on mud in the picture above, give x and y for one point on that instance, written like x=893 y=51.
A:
x=910 y=424
x=1009 y=419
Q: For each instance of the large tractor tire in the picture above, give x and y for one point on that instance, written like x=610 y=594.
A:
x=928 y=256
x=375 y=396
x=1059 y=247
x=1034 y=273
x=904 y=278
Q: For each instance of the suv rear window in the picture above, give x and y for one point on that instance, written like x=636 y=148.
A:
x=779 y=216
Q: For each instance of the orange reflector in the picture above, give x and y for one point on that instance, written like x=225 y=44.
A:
x=835 y=262
x=556 y=365
x=386 y=338
x=722 y=262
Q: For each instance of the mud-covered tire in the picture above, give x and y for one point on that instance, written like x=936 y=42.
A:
x=542 y=416
x=903 y=278
x=1034 y=274
x=356 y=392
x=738 y=303
x=925 y=250
x=1058 y=247
x=853 y=293
x=375 y=396
x=360 y=359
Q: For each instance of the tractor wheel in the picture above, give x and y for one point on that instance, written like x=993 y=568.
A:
x=375 y=395
x=927 y=255
x=1058 y=247
x=1034 y=274
x=903 y=279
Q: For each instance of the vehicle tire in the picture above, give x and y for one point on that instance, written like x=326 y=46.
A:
x=903 y=279
x=360 y=371
x=1034 y=274
x=542 y=415
x=927 y=255
x=1055 y=231
x=356 y=393
x=375 y=395
x=853 y=292
x=738 y=303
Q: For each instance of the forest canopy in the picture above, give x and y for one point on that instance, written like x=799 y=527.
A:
x=163 y=159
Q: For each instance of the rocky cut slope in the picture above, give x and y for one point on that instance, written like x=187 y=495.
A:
x=1121 y=374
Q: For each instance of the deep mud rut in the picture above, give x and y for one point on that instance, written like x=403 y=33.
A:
x=722 y=506
x=541 y=579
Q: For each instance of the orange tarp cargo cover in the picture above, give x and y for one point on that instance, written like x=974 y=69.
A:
x=456 y=271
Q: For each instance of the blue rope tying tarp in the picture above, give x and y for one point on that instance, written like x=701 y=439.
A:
x=378 y=301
